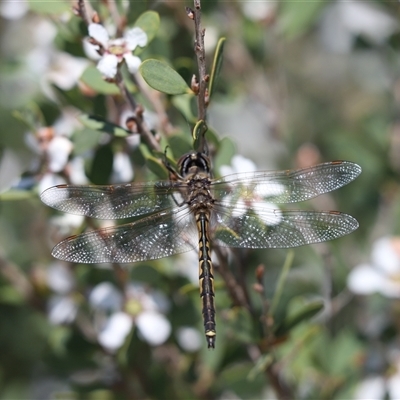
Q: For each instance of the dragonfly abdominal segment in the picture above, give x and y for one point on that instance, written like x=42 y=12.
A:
x=192 y=210
x=206 y=278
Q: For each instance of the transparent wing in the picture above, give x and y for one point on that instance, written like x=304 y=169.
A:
x=273 y=228
x=111 y=202
x=289 y=186
x=156 y=236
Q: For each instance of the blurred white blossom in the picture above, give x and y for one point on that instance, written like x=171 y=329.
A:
x=13 y=10
x=189 y=339
x=253 y=195
x=122 y=168
x=60 y=278
x=61 y=309
x=105 y=296
x=115 y=331
x=238 y=164
x=382 y=273
x=343 y=21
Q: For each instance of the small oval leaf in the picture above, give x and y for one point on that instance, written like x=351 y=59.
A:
x=149 y=21
x=101 y=168
x=99 y=124
x=304 y=313
x=49 y=7
x=93 y=78
x=154 y=166
x=162 y=77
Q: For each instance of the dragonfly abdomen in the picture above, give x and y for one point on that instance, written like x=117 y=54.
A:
x=206 y=278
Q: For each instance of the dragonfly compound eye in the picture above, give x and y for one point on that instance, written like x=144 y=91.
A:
x=189 y=161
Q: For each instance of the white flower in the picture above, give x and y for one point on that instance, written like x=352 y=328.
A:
x=238 y=164
x=115 y=331
x=382 y=274
x=61 y=310
x=379 y=387
x=117 y=50
x=14 y=10
x=58 y=152
x=122 y=168
x=149 y=307
x=252 y=196
x=60 y=278
x=65 y=70
x=153 y=327
x=189 y=339
x=342 y=22
x=106 y=296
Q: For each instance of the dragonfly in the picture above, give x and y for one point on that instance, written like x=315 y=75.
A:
x=192 y=209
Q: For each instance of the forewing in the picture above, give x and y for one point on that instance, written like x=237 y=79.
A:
x=111 y=202
x=157 y=236
x=273 y=228
x=289 y=186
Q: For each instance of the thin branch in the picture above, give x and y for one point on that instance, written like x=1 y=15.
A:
x=138 y=114
x=154 y=98
x=83 y=12
x=235 y=290
x=202 y=95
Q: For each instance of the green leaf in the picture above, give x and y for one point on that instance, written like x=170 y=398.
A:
x=85 y=140
x=15 y=194
x=216 y=67
x=226 y=151
x=101 y=167
x=49 y=6
x=261 y=365
x=154 y=166
x=297 y=16
x=162 y=77
x=281 y=282
x=305 y=312
x=179 y=144
x=149 y=21
x=183 y=104
x=93 y=78
x=99 y=124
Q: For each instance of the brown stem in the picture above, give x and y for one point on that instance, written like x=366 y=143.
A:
x=280 y=387
x=83 y=12
x=202 y=78
x=154 y=98
x=235 y=290
x=141 y=126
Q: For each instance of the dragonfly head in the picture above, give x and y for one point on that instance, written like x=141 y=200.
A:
x=191 y=163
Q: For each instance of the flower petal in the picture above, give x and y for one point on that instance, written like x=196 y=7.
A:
x=105 y=296
x=61 y=310
x=58 y=152
x=115 y=331
x=99 y=33
x=59 y=278
x=385 y=257
x=154 y=327
x=132 y=62
x=364 y=279
x=135 y=37
x=108 y=65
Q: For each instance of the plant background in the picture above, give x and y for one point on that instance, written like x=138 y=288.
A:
x=301 y=83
